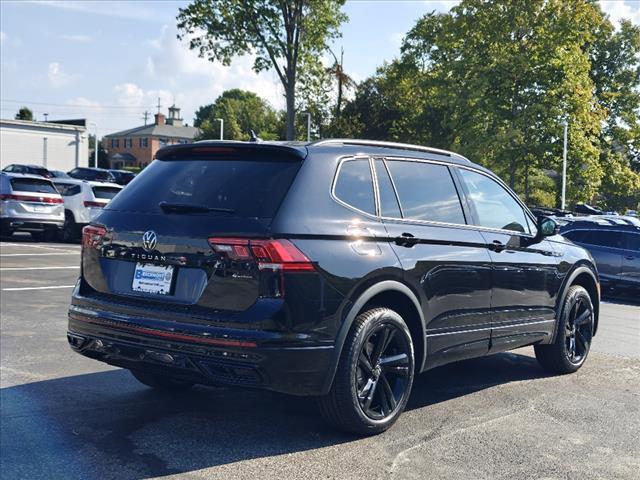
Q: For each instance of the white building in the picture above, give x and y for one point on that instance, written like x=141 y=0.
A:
x=56 y=146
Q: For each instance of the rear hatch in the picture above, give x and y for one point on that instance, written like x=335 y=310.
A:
x=31 y=198
x=193 y=228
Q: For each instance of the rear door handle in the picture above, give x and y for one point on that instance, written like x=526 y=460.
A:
x=406 y=240
x=497 y=246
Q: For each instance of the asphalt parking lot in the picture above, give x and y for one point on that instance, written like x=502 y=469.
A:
x=65 y=416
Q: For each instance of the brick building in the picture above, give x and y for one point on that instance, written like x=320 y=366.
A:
x=136 y=147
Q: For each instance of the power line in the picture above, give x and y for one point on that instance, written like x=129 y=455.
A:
x=25 y=102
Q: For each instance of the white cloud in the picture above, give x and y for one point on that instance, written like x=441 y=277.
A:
x=173 y=63
x=3 y=37
x=77 y=38
x=620 y=9
x=121 y=9
x=58 y=78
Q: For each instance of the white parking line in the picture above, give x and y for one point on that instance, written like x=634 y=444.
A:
x=36 y=254
x=9 y=269
x=17 y=289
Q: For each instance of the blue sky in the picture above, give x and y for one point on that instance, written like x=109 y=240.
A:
x=109 y=61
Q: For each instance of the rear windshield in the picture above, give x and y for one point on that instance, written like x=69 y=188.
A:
x=67 y=189
x=32 y=185
x=106 y=193
x=251 y=188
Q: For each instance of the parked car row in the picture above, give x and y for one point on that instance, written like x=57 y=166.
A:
x=50 y=207
x=614 y=243
x=121 y=177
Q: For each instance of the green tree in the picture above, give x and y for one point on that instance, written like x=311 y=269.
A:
x=285 y=35
x=24 y=114
x=242 y=111
x=103 y=162
x=494 y=80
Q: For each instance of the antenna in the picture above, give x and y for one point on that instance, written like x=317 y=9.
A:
x=159 y=106
x=254 y=137
x=145 y=116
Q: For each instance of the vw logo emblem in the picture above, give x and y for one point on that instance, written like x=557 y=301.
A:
x=149 y=240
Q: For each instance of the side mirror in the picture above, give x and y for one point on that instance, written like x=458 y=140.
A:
x=547 y=227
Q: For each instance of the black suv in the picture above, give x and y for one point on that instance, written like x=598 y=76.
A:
x=337 y=269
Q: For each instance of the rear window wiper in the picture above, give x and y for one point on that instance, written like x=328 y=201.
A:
x=191 y=208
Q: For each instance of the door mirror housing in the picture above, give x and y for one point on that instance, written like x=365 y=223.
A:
x=547 y=227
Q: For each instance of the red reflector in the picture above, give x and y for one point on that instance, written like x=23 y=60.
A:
x=29 y=198
x=92 y=236
x=269 y=254
x=94 y=204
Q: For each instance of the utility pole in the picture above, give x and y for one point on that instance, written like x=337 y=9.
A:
x=308 y=125
x=564 y=166
x=145 y=116
x=221 y=120
x=95 y=145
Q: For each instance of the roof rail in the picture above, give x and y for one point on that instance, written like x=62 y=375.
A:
x=379 y=143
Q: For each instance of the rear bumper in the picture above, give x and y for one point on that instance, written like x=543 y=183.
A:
x=207 y=357
x=30 y=224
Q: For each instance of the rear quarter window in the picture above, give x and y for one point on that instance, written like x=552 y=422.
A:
x=67 y=189
x=248 y=187
x=354 y=185
x=32 y=185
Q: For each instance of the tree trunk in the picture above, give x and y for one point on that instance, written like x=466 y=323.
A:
x=290 y=94
x=526 y=182
x=512 y=173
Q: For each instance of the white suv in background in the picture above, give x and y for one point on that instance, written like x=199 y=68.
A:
x=30 y=203
x=83 y=201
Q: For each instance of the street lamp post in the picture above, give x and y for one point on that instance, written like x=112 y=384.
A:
x=221 y=120
x=564 y=166
x=95 y=145
x=308 y=125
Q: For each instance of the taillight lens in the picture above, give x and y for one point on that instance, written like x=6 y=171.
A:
x=269 y=254
x=94 y=204
x=29 y=198
x=92 y=236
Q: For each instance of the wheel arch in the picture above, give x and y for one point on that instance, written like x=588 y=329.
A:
x=390 y=294
x=584 y=276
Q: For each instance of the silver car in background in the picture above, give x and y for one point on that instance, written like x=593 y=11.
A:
x=30 y=203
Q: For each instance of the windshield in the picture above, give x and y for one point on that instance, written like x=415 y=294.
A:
x=105 y=192
x=248 y=188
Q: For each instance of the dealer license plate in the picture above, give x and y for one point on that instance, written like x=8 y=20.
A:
x=152 y=278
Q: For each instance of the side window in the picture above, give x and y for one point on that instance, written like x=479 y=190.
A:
x=604 y=238
x=494 y=206
x=354 y=185
x=632 y=241
x=67 y=189
x=388 y=202
x=426 y=191
x=576 y=235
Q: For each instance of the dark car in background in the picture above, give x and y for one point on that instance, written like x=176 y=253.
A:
x=28 y=170
x=337 y=269
x=122 y=177
x=92 y=174
x=614 y=243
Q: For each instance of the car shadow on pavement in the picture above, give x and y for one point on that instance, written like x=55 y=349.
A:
x=627 y=298
x=106 y=425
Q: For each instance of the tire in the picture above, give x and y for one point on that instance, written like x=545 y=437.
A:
x=571 y=347
x=69 y=232
x=161 y=382
x=374 y=375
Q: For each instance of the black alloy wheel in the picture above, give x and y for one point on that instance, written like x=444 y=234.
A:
x=373 y=379
x=574 y=334
x=382 y=375
x=579 y=330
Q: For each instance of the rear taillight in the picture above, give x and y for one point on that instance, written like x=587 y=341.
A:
x=29 y=198
x=268 y=254
x=94 y=204
x=92 y=236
